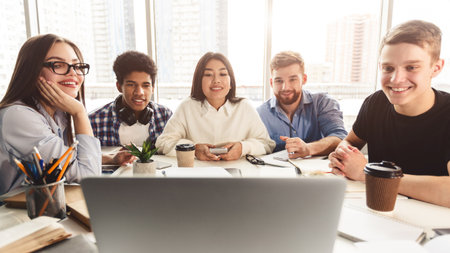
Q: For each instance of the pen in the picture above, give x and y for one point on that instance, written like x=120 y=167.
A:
x=37 y=164
x=40 y=160
x=62 y=157
x=30 y=167
x=297 y=169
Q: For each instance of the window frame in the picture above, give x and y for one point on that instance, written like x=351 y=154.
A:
x=386 y=11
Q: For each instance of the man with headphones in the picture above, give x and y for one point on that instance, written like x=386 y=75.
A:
x=132 y=116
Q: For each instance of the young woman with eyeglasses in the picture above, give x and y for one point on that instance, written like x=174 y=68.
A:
x=43 y=107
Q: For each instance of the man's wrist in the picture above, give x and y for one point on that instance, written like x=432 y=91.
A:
x=310 y=149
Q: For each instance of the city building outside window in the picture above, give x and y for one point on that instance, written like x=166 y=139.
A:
x=13 y=29
x=339 y=43
x=338 y=40
x=436 y=12
x=185 y=30
x=102 y=29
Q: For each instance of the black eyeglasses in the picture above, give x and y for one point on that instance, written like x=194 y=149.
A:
x=63 y=68
x=258 y=161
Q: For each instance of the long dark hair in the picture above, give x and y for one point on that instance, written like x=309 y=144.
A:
x=23 y=84
x=196 y=89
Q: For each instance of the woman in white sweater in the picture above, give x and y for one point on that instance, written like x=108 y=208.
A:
x=214 y=117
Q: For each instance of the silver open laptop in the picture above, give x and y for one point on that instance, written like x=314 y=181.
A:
x=214 y=214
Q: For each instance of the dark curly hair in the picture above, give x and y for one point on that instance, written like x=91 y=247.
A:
x=134 y=61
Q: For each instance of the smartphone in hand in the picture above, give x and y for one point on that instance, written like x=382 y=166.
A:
x=218 y=151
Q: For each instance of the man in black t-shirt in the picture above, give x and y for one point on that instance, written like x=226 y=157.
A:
x=408 y=122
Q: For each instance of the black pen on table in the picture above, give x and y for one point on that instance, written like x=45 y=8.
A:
x=297 y=169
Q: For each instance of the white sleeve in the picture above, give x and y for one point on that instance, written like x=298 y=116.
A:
x=175 y=132
x=258 y=141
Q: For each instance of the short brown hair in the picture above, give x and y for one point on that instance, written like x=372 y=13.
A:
x=286 y=58
x=417 y=32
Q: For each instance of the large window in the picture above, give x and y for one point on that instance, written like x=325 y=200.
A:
x=435 y=11
x=338 y=43
x=185 y=30
x=102 y=30
x=13 y=29
x=338 y=40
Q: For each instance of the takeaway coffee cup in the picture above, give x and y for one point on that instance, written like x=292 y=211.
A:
x=185 y=155
x=382 y=181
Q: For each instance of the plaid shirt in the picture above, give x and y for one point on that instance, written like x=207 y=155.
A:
x=106 y=122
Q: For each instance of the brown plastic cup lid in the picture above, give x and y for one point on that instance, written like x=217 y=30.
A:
x=384 y=169
x=185 y=147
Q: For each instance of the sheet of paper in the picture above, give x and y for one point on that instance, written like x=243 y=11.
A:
x=390 y=246
x=358 y=224
x=313 y=164
x=196 y=172
x=438 y=244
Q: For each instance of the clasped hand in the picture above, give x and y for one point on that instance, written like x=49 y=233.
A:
x=348 y=161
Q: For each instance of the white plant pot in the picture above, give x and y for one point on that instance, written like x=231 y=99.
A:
x=148 y=168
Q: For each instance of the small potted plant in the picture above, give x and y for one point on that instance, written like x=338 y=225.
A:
x=144 y=164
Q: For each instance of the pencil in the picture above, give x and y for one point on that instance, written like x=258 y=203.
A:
x=64 y=167
x=22 y=168
x=61 y=173
x=62 y=157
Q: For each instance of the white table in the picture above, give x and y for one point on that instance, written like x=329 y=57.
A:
x=411 y=211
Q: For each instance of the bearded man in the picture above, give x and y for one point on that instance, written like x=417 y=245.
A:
x=303 y=123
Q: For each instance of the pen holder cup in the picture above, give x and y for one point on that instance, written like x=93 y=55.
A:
x=46 y=199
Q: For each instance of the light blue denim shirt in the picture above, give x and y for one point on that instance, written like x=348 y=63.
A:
x=317 y=116
x=22 y=128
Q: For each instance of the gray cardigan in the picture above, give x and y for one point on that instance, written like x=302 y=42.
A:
x=22 y=128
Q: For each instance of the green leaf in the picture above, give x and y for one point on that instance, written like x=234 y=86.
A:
x=144 y=155
x=132 y=148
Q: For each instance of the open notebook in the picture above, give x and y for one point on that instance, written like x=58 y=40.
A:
x=359 y=225
x=32 y=235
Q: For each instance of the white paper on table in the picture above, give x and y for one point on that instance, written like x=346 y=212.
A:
x=196 y=172
x=393 y=246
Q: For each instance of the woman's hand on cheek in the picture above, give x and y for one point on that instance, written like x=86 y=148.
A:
x=59 y=99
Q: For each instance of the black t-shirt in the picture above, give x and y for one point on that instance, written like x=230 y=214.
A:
x=420 y=145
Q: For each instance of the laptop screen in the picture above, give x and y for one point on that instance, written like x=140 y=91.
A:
x=214 y=214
